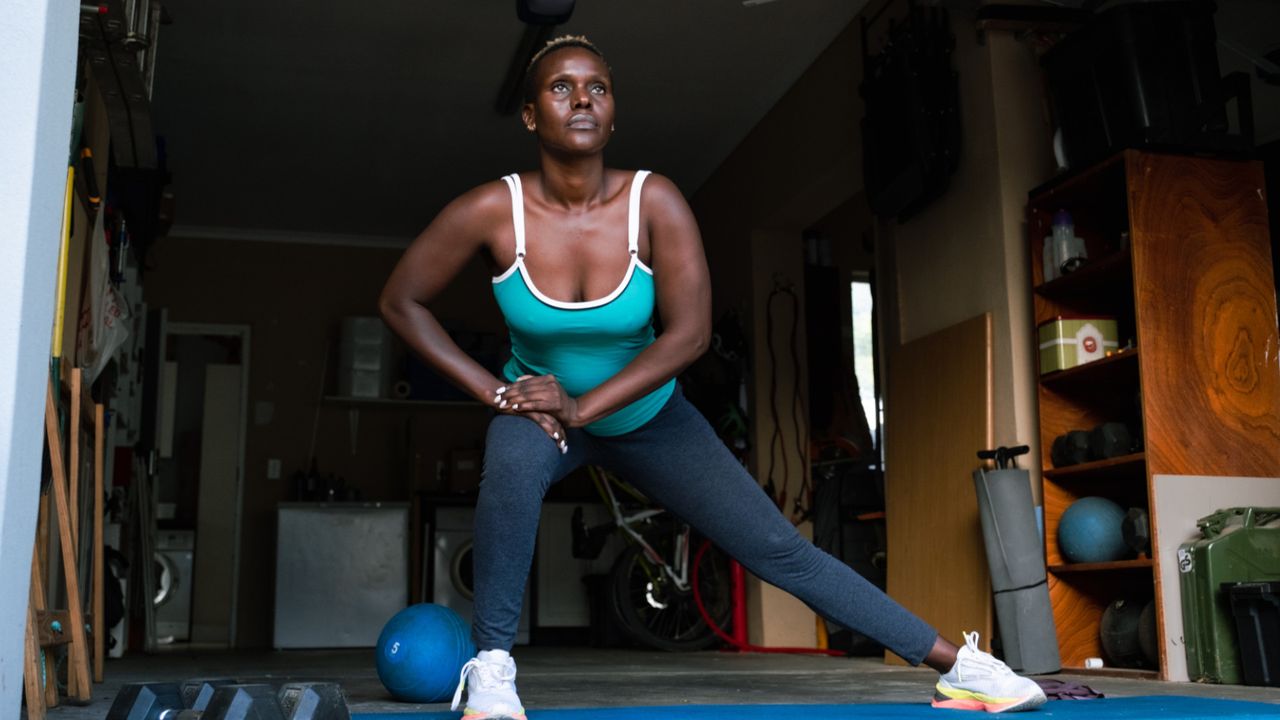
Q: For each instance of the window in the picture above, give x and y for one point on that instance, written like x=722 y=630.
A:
x=864 y=360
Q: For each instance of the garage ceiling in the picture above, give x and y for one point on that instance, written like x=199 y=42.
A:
x=355 y=122
x=358 y=121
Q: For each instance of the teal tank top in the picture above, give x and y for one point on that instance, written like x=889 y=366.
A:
x=582 y=343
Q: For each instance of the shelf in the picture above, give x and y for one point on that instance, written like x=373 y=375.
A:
x=1110 y=273
x=1133 y=464
x=398 y=402
x=1066 y=569
x=1080 y=181
x=1114 y=672
x=1118 y=363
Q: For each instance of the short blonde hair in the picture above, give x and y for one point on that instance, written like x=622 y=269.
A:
x=560 y=43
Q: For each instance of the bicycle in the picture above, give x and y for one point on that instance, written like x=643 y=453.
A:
x=651 y=580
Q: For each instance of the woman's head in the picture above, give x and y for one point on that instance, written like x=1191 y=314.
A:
x=560 y=43
x=569 y=96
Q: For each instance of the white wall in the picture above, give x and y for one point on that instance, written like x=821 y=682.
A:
x=38 y=53
x=966 y=253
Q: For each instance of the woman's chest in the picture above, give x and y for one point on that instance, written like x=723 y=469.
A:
x=574 y=259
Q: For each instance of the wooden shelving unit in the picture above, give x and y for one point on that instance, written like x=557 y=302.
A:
x=1136 y=564
x=1180 y=257
x=1125 y=465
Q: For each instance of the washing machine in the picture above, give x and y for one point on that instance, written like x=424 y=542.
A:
x=451 y=575
x=174 y=564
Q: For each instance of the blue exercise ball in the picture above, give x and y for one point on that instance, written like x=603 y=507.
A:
x=421 y=651
x=1090 y=531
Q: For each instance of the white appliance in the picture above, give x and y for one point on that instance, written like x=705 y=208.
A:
x=174 y=558
x=342 y=571
x=450 y=573
x=563 y=599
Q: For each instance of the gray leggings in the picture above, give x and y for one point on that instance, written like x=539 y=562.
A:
x=679 y=462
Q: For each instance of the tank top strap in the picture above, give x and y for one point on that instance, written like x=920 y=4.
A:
x=633 y=213
x=517 y=210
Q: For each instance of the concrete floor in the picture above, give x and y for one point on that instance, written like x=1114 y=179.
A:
x=582 y=677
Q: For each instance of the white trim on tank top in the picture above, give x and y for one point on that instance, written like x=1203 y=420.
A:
x=633 y=245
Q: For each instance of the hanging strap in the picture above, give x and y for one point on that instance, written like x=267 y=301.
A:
x=633 y=213
x=517 y=210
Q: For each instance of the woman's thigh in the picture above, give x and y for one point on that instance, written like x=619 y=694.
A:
x=522 y=462
x=678 y=461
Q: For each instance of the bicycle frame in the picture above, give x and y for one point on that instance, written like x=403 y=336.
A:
x=679 y=574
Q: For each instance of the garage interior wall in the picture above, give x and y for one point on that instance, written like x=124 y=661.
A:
x=963 y=256
x=966 y=254
x=292 y=296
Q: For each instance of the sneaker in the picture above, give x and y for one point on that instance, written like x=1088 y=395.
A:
x=978 y=681
x=490 y=680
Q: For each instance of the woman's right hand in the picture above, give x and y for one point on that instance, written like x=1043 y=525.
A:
x=547 y=422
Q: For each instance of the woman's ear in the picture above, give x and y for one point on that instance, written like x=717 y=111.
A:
x=526 y=117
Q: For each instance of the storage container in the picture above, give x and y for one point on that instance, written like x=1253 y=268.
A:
x=1069 y=342
x=364 y=358
x=1145 y=75
x=1256 y=607
x=1236 y=545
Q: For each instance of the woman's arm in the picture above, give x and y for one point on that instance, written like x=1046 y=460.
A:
x=683 y=302
x=433 y=260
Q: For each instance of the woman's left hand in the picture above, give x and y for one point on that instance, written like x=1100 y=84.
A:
x=539 y=393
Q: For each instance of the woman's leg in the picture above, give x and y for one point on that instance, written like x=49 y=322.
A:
x=678 y=460
x=520 y=463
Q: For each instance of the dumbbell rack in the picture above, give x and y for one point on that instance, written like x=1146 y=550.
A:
x=1179 y=255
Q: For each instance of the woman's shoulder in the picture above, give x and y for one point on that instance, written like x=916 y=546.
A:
x=660 y=194
x=487 y=201
x=485 y=196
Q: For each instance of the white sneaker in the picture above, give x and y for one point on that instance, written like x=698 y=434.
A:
x=978 y=681
x=490 y=680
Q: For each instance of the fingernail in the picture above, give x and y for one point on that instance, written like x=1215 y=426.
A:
x=515 y=406
x=497 y=398
x=502 y=404
x=564 y=449
x=555 y=435
x=501 y=389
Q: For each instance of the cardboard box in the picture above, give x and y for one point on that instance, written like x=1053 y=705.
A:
x=1071 y=342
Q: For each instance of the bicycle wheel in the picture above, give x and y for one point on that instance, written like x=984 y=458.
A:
x=653 y=611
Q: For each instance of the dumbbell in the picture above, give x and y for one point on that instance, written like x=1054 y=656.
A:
x=1070 y=449
x=197 y=693
x=224 y=699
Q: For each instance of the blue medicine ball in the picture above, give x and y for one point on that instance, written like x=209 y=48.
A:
x=1089 y=531
x=421 y=651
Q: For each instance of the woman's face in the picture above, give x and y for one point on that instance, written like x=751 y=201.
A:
x=572 y=108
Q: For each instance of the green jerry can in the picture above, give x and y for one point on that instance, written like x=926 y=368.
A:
x=1236 y=545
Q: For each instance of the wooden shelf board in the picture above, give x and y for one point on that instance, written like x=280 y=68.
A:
x=1088 y=278
x=1137 y=564
x=398 y=402
x=1115 y=672
x=1090 y=369
x=1098 y=468
x=1079 y=180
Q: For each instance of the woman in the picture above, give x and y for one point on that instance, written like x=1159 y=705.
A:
x=583 y=255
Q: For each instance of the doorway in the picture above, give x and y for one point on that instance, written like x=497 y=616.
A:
x=200 y=478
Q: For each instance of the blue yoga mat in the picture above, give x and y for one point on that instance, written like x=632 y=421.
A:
x=1165 y=707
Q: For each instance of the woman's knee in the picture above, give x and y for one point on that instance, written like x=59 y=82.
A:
x=517 y=455
x=785 y=554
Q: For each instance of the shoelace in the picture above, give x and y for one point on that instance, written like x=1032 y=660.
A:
x=979 y=660
x=488 y=675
